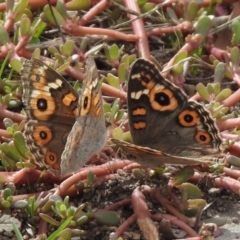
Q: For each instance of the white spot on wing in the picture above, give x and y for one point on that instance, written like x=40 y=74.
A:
x=137 y=95
x=137 y=75
x=95 y=82
x=56 y=84
x=36 y=93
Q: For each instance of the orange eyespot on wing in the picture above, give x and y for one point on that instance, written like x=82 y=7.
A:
x=188 y=118
x=52 y=160
x=162 y=99
x=203 y=137
x=42 y=135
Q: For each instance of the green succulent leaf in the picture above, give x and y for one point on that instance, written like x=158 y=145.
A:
x=76 y=5
x=236 y=32
x=68 y=48
x=12 y=187
x=20 y=204
x=8 y=122
x=60 y=59
x=6 y=193
x=106 y=107
x=216 y=88
x=141 y=2
x=82 y=220
x=29 y=165
x=114 y=52
x=125 y=60
x=53 y=50
x=62 y=68
x=192 y=10
x=79 y=211
x=183 y=175
x=109 y=218
x=224 y=94
x=61 y=8
x=203 y=26
x=48 y=206
x=56 y=198
x=203 y=91
x=195 y=203
x=233 y=160
x=4 y=39
x=210 y=88
x=147 y=7
x=36 y=53
x=60 y=229
x=219 y=72
x=117 y=133
x=66 y=234
x=189 y=191
x=127 y=136
x=38 y=26
x=178 y=67
x=120 y=114
x=7 y=162
x=70 y=211
x=20 y=144
x=10 y=151
x=113 y=80
x=49 y=219
x=25 y=25
x=94 y=49
x=5 y=204
x=48 y=15
x=171 y=13
x=20 y=6
x=122 y=72
x=115 y=106
x=235 y=56
x=66 y=201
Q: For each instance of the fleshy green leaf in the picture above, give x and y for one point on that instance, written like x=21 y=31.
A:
x=25 y=25
x=183 y=175
x=109 y=218
x=189 y=191
x=117 y=133
x=122 y=72
x=113 y=80
x=11 y=151
x=178 y=68
x=147 y=7
x=224 y=94
x=48 y=15
x=236 y=32
x=203 y=26
x=4 y=39
x=219 y=72
x=19 y=142
x=203 y=91
x=192 y=10
x=233 y=160
x=78 y=5
x=235 y=56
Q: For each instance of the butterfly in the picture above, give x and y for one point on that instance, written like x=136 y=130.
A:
x=64 y=130
x=166 y=128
